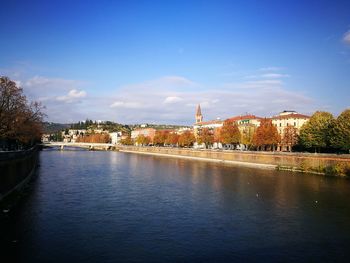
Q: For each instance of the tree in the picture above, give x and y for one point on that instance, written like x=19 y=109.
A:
x=172 y=139
x=290 y=136
x=186 y=139
x=20 y=121
x=127 y=141
x=315 y=133
x=247 y=135
x=340 y=132
x=266 y=135
x=95 y=138
x=206 y=136
x=160 y=137
x=229 y=133
x=142 y=140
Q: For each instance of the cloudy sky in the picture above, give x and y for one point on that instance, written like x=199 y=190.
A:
x=154 y=61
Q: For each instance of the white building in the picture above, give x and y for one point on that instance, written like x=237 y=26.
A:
x=115 y=137
x=289 y=118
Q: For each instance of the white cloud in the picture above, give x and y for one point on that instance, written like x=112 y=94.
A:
x=43 y=82
x=270 y=69
x=264 y=97
x=172 y=99
x=166 y=82
x=39 y=86
x=72 y=95
x=169 y=99
x=346 y=37
x=126 y=105
x=274 y=75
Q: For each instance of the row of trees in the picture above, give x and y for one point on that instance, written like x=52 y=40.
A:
x=95 y=138
x=162 y=138
x=20 y=121
x=322 y=132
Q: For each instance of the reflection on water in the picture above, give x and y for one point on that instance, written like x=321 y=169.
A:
x=109 y=207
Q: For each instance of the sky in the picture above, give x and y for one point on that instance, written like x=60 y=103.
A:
x=154 y=61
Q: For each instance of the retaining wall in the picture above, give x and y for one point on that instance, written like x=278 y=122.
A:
x=15 y=169
x=307 y=162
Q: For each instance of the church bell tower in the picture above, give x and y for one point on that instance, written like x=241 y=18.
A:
x=199 y=116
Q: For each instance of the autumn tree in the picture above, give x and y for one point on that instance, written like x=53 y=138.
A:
x=316 y=132
x=127 y=141
x=95 y=138
x=266 y=135
x=160 y=137
x=206 y=136
x=20 y=121
x=229 y=133
x=172 y=139
x=290 y=137
x=186 y=139
x=247 y=135
x=340 y=132
x=142 y=140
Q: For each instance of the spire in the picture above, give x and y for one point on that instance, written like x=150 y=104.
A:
x=199 y=116
x=199 y=111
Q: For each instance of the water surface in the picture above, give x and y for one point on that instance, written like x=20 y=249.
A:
x=116 y=207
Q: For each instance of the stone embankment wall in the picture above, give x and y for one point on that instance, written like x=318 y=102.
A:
x=330 y=164
x=16 y=169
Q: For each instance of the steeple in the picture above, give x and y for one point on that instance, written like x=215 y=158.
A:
x=199 y=116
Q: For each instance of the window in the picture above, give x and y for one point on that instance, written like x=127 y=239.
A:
x=295 y=124
x=280 y=124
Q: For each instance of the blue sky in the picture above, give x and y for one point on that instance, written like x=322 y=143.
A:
x=153 y=61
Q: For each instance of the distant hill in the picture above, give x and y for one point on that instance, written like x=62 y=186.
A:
x=158 y=126
x=51 y=127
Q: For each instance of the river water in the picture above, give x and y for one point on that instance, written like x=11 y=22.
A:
x=87 y=206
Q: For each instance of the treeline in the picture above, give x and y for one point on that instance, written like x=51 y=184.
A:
x=106 y=126
x=95 y=138
x=322 y=133
x=20 y=121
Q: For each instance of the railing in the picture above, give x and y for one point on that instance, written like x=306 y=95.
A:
x=11 y=155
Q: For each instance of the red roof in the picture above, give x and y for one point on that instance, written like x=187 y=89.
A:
x=291 y=116
x=244 y=117
x=209 y=122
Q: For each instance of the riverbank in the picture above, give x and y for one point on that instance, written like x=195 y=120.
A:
x=16 y=168
x=326 y=164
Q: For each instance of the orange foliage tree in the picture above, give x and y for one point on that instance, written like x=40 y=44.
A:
x=290 y=137
x=266 y=136
x=206 y=136
x=229 y=133
x=20 y=121
x=160 y=137
x=186 y=139
x=95 y=138
x=172 y=139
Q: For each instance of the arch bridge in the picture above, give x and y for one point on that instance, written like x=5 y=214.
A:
x=86 y=145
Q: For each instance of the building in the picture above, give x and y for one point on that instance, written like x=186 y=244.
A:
x=245 y=120
x=147 y=132
x=72 y=135
x=115 y=137
x=289 y=118
x=200 y=124
x=199 y=116
x=45 y=138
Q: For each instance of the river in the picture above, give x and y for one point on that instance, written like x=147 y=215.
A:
x=97 y=206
